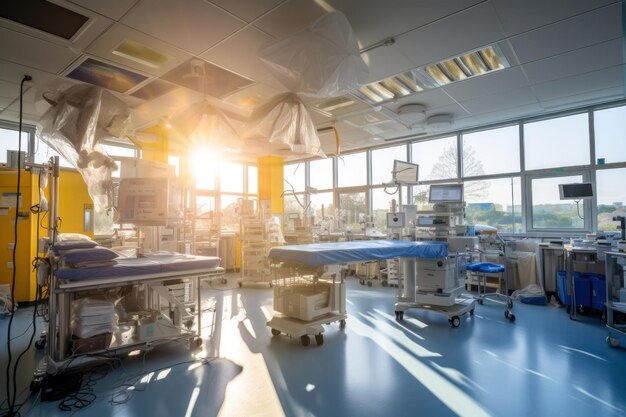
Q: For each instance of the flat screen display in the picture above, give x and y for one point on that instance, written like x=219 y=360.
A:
x=446 y=193
x=576 y=191
x=405 y=173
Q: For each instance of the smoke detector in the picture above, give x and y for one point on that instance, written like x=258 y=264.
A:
x=439 y=121
x=412 y=113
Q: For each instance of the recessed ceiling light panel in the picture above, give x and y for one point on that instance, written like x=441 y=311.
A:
x=43 y=15
x=141 y=54
x=106 y=75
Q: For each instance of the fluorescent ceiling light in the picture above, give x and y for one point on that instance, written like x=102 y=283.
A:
x=140 y=53
x=334 y=104
x=441 y=73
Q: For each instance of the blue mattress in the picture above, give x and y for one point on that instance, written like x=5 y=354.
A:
x=132 y=267
x=317 y=254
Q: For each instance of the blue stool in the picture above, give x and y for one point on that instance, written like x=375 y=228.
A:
x=481 y=269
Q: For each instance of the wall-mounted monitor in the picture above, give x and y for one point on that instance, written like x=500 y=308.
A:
x=405 y=172
x=576 y=191
x=446 y=193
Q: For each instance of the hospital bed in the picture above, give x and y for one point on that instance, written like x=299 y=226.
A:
x=300 y=310
x=147 y=281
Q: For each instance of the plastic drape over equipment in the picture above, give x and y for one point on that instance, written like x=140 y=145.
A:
x=205 y=124
x=80 y=118
x=321 y=61
x=285 y=120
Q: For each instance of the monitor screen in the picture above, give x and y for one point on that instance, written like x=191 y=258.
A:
x=404 y=172
x=446 y=193
x=576 y=191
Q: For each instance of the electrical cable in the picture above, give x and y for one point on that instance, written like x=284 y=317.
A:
x=11 y=399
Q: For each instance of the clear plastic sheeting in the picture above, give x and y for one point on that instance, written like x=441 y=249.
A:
x=205 y=124
x=78 y=119
x=285 y=120
x=321 y=61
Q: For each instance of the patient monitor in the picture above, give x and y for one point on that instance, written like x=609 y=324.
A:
x=143 y=201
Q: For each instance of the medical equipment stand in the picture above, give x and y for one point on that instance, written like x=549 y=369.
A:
x=614 y=260
x=293 y=327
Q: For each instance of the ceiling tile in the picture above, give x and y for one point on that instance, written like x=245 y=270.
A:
x=404 y=15
x=193 y=25
x=290 y=17
x=498 y=81
x=104 y=46
x=584 y=99
x=34 y=52
x=429 y=98
x=522 y=16
x=10 y=89
x=462 y=32
x=247 y=10
x=247 y=99
x=578 y=32
x=385 y=62
x=502 y=100
x=246 y=42
x=206 y=78
x=112 y=9
x=578 y=84
x=592 y=58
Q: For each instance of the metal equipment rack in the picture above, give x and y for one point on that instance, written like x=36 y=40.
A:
x=613 y=260
x=305 y=300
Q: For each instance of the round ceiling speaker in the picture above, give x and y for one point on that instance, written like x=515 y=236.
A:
x=412 y=113
x=439 y=121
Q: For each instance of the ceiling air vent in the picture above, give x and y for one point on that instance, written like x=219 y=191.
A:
x=43 y=15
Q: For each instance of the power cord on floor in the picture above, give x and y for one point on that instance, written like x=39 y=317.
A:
x=11 y=396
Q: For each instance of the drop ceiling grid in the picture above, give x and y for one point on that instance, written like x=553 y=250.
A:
x=445 y=38
x=103 y=47
x=192 y=25
x=580 y=61
x=111 y=9
x=578 y=32
x=522 y=16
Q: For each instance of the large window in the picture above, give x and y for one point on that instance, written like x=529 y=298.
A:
x=352 y=211
x=611 y=196
x=489 y=152
x=253 y=180
x=381 y=203
x=495 y=202
x=559 y=142
x=610 y=134
x=8 y=141
x=321 y=171
x=437 y=158
x=549 y=211
x=321 y=206
x=352 y=170
x=231 y=178
x=294 y=177
x=382 y=163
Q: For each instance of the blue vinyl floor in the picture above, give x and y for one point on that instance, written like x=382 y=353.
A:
x=544 y=364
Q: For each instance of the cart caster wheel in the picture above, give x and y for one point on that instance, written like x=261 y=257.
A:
x=40 y=344
x=471 y=312
x=362 y=282
x=240 y=284
x=342 y=324
x=196 y=343
x=480 y=301
x=509 y=303
x=319 y=339
x=369 y=283
x=305 y=340
x=612 y=342
x=455 y=321
x=35 y=385
x=275 y=332
x=509 y=316
x=224 y=281
x=399 y=315
x=384 y=283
